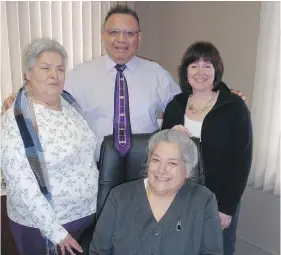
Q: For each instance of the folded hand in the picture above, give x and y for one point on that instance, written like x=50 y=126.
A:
x=68 y=243
x=182 y=128
x=225 y=220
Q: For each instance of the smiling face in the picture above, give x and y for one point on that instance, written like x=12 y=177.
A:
x=46 y=78
x=166 y=169
x=121 y=47
x=201 y=75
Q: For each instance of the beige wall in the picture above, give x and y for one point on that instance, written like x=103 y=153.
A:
x=169 y=27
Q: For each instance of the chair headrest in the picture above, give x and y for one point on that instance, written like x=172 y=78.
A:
x=115 y=170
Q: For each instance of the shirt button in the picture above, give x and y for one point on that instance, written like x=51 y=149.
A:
x=156 y=232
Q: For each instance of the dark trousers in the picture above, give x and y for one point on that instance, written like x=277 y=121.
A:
x=229 y=234
x=30 y=241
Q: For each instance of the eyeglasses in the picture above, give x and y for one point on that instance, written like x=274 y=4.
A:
x=126 y=32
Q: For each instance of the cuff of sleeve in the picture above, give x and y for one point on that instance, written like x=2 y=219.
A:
x=56 y=235
x=227 y=209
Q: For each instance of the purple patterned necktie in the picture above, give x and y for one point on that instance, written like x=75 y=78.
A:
x=121 y=124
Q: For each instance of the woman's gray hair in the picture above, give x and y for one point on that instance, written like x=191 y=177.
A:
x=38 y=46
x=186 y=145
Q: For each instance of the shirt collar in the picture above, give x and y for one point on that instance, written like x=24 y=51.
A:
x=110 y=64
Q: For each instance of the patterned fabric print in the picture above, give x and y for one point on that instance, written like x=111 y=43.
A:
x=69 y=145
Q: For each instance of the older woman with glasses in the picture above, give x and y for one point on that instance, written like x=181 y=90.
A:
x=47 y=158
x=165 y=213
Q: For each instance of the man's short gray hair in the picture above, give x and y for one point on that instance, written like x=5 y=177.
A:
x=38 y=46
x=186 y=145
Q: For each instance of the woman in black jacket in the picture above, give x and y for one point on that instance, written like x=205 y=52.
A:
x=207 y=109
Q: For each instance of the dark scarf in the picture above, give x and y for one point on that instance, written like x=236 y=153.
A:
x=27 y=124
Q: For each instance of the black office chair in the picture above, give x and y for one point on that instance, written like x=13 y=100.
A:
x=115 y=170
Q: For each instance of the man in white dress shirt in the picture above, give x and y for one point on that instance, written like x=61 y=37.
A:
x=150 y=86
x=92 y=83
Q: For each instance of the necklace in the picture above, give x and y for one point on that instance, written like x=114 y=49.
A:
x=207 y=105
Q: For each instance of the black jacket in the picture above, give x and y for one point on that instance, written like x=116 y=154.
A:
x=226 y=142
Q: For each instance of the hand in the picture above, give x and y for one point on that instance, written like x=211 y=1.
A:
x=182 y=129
x=225 y=220
x=67 y=243
x=8 y=103
x=239 y=93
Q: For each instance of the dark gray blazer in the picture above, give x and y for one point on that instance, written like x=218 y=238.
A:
x=126 y=226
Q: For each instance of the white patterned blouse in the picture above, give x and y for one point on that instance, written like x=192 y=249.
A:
x=69 y=148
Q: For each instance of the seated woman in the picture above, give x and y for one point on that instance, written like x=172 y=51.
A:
x=165 y=213
x=47 y=158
